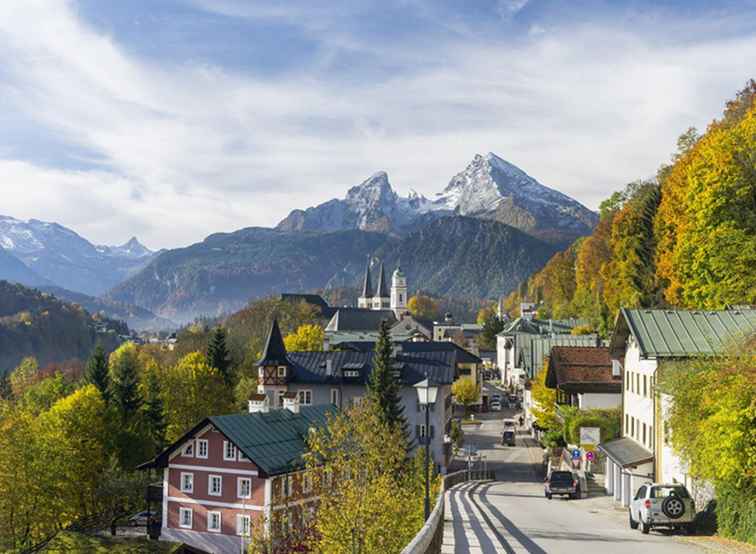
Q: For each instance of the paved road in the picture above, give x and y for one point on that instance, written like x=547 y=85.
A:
x=511 y=514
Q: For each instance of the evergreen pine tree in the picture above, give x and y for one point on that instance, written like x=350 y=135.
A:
x=217 y=354
x=383 y=387
x=125 y=388
x=96 y=372
x=154 y=411
x=6 y=391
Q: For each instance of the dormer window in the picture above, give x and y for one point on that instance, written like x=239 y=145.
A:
x=282 y=371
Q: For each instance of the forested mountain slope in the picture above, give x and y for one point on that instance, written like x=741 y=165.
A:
x=686 y=239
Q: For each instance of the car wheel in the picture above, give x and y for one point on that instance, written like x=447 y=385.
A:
x=645 y=527
x=633 y=523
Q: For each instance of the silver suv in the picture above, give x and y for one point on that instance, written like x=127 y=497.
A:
x=657 y=505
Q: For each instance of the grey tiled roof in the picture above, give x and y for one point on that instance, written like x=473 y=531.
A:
x=626 y=452
x=359 y=319
x=682 y=333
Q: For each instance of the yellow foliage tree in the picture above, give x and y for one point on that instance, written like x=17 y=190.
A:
x=466 y=392
x=544 y=401
x=423 y=306
x=307 y=338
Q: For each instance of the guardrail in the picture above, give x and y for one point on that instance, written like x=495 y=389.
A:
x=428 y=540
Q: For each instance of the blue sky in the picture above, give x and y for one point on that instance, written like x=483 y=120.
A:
x=178 y=118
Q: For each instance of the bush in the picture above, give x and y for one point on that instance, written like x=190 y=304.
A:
x=553 y=438
x=607 y=420
x=736 y=512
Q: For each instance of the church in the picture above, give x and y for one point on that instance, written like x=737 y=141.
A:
x=380 y=298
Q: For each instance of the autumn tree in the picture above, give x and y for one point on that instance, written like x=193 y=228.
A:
x=192 y=390
x=466 y=392
x=544 y=401
x=124 y=378
x=370 y=497
x=422 y=306
x=307 y=338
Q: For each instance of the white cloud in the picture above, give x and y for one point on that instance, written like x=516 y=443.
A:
x=193 y=149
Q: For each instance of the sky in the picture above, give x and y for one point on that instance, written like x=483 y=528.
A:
x=174 y=119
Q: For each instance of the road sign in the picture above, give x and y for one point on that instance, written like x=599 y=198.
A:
x=576 y=454
x=590 y=435
x=590 y=456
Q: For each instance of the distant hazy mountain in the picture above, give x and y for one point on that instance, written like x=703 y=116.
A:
x=35 y=323
x=137 y=318
x=63 y=258
x=223 y=272
x=488 y=188
x=454 y=255
x=14 y=270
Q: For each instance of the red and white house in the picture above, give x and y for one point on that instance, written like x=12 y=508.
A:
x=229 y=471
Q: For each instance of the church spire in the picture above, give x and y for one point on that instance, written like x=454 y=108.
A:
x=367 y=286
x=380 y=290
x=275 y=351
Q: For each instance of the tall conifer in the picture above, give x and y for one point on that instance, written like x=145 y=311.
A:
x=218 y=356
x=383 y=387
x=96 y=372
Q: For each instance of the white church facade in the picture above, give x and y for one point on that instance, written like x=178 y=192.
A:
x=380 y=298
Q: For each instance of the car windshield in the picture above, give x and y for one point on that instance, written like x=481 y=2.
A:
x=561 y=476
x=664 y=492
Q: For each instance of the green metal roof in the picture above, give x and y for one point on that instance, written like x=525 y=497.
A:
x=683 y=333
x=276 y=440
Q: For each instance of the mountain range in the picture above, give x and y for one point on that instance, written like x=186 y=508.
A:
x=488 y=188
x=487 y=230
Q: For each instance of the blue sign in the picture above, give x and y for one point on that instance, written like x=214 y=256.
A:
x=576 y=454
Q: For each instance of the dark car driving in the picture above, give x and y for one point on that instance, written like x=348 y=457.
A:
x=563 y=483
x=508 y=438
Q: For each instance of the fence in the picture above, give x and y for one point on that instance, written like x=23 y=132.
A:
x=428 y=540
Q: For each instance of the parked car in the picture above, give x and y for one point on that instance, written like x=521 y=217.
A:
x=496 y=398
x=564 y=483
x=495 y=406
x=658 y=505
x=510 y=423
x=508 y=438
x=141 y=519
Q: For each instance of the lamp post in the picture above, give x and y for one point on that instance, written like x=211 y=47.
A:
x=426 y=396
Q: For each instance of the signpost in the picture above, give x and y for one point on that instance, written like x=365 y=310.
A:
x=590 y=437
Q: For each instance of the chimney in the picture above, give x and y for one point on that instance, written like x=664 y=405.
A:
x=291 y=402
x=258 y=403
x=326 y=344
x=329 y=367
x=616 y=368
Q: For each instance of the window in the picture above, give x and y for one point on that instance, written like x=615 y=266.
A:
x=242 y=525
x=305 y=397
x=214 y=522
x=627 y=380
x=188 y=449
x=215 y=485
x=185 y=518
x=644 y=434
x=356 y=401
x=282 y=371
x=187 y=482
x=244 y=487
x=627 y=423
x=281 y=397
x=229 y=451
x=637 y=383
x=651 y=435
x=202 y=448
x=645 y=385
x=641 y=493
x=306 y=483
x=286 y=486
x=335 y=396
x=632 y=426
x=242 y=457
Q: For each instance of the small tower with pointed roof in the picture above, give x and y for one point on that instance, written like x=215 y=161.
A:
x=274 y=369
x=381 y=300
x=366 y=299
x=398 y=292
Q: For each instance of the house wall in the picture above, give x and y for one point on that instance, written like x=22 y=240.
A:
x=590 y=401
x=502 y=359
x=637 y=397
x=670 y=468
x=199 y=500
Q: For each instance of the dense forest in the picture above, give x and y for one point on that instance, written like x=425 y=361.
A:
x=684 y=239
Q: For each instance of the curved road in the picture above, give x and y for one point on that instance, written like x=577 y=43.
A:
x=511 y=514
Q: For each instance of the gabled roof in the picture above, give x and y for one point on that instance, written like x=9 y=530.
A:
x=359 y=319
x=541 y=326
x=581 y=369
x=534 y=349
x=367 y=285
x=681 y=333
x=274 y=352
x=380 y=290
x=275 y=441
x=313 y=367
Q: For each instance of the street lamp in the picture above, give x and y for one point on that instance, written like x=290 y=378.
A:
x=426 y=396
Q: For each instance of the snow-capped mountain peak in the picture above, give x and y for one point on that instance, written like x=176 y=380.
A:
x=130 y=249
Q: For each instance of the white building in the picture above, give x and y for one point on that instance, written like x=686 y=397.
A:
x=642 y=339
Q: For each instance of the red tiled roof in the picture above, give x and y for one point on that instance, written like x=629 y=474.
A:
x=582 y=369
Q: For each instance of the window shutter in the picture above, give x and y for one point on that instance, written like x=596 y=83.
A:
x=417 y=431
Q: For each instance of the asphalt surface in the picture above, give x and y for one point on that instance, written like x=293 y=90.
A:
x=511 y=514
